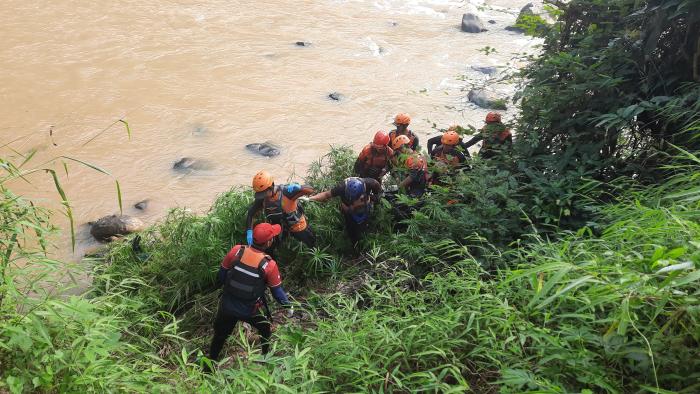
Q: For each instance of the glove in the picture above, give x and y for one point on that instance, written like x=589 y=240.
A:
x=293 y=187
x=290 y=312
x=249 y=236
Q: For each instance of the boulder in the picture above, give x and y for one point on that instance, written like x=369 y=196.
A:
x=142 y=205
x=302 y=44
x=488 y=70
x=109 y=227
x=492 y=22
x=264 y=149
x=471 y=23
x=335 y=96
x=486 y=100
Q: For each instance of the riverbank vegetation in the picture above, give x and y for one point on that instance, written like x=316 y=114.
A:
x=572 y=265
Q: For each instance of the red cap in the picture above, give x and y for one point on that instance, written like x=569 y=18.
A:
x=264 y=232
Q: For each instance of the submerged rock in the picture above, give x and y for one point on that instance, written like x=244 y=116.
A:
x=491 y=21
x=264 y=149
x=472 y=24
x=302 y=44
x=335 y=96
x=108 y=227
x=142 y=205
x=486 y=99
x=188 y=163
x=489 y=70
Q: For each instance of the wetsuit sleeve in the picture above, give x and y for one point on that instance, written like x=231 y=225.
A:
x=252 y=211
x=374 y=186
x=305 y=190
x=280 y=295
x=360 y=162
x=416 y=142
x=464 y=149
x=338 y=190
x=432 y=143
x=473 y=141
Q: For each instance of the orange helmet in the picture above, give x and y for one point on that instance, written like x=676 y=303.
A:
x=400 y=141
x=450 y=138
x=493 y=117
x=415 y=162
x=261 y=182
x=381 y=138
x=402 y=118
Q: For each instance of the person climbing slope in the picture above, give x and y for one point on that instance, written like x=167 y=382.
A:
x=245 y=273
x=401 y=121
x=356 y=198
x=434 y=142
x=495 y=134
x=280 y=206
x=448 y=151
x=374 y=159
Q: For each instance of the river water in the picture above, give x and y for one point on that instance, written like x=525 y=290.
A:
x=202 y=79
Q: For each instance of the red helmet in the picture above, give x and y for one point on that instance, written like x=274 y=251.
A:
x=493 y=117
x=381 y=138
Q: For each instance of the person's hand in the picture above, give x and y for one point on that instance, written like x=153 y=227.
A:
x=293 y=187
x=304 y=199
x=249 y=236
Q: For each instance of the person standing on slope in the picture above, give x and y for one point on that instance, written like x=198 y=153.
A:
x=495 y=134
x=246 y=272
x=374 y=159
x=401 y=121
x=280 y=206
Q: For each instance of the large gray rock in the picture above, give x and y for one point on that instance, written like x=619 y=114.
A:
x=488 y=70
x=472 y=23
x=527 y=12
x=486 y=100
x=108 y=227
x=264 y=149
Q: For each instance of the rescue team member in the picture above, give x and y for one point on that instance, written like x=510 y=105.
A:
x=416 y=182
x=495 y=135
x=356 y=198
x=374 y=159
x=448 y=152
x=246 y=272
x=401 y=121
x=280 y=206
x=402 y=150
x=436 y=141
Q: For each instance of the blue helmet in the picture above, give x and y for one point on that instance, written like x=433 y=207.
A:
x=354 y=188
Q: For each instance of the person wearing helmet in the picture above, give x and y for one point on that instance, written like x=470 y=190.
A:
x=246 y=272
x=280 y=206
x=448 y=151
x=402 y=150
x=436 y=141
x=374 y=158
x=415 y=183
x=401 y=121
x=495 y=136
x=356 y=198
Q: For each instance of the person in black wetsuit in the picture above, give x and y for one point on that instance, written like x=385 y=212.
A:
x=357 y=195
x=495 y=136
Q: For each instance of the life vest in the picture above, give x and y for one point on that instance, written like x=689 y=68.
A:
x=245 y=280
x=285 y=210
x=409 y=134
x=375 y=160
x=447 y=158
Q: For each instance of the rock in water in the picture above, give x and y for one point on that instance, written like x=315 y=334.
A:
x=486 y=99
x=114 y=226
x=265 y=149
x=472 y=24
x=489 y=70
x=190 y=164
x=335 y=96
x=529 y=14
x=141 y=205
x=302 y=44
x=491 y=21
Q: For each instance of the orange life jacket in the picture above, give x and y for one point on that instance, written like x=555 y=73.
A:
x=447 y=158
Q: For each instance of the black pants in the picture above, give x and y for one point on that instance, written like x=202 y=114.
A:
x=354 y=230
x=223 y=327
x=306 y=237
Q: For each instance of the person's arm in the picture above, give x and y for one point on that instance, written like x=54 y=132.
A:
x=432 y=143
x=473 y=141
x=415 y=144
x=294 y=190
x=360 y=162
x=273 y=280
x=227 y=263
x=335 y=192
x=406 y=182
x=375 y=188
x=252 y=211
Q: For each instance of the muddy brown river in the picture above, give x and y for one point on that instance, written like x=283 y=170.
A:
x=202 y=79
